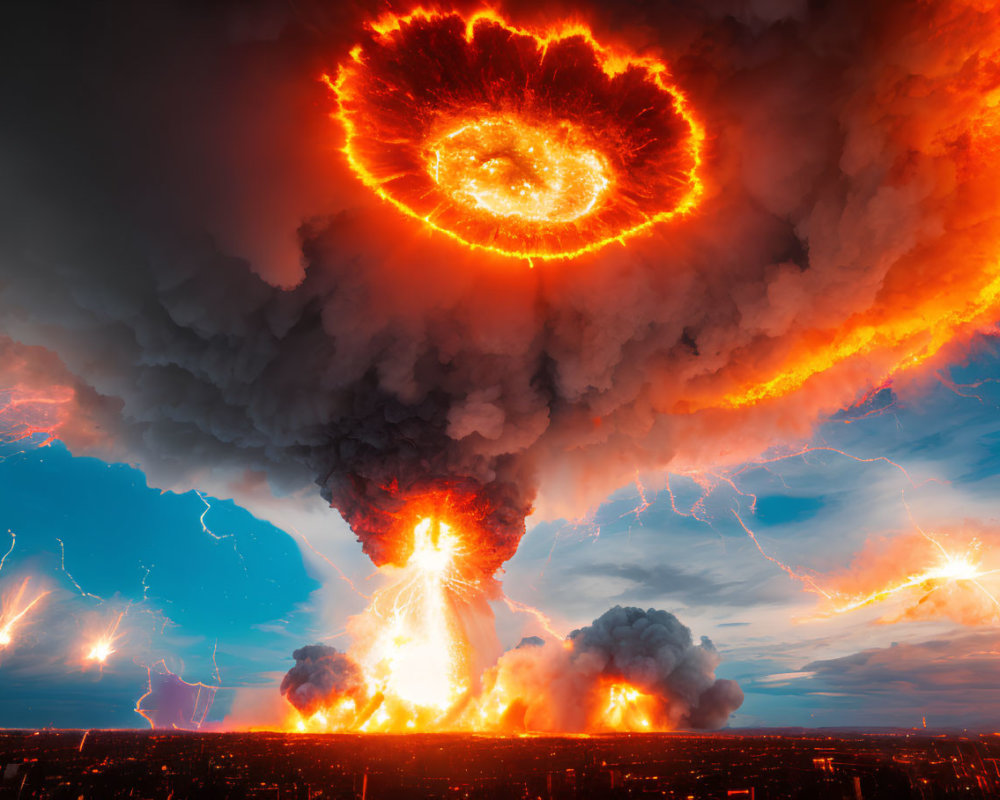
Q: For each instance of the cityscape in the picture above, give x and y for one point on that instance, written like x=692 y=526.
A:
x=816 y=765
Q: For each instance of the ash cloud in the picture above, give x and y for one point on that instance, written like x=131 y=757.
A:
x=175 y=235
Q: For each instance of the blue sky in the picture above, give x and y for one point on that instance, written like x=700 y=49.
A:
x=218 y=593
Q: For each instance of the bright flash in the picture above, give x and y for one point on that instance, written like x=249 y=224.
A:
x=509 y=168
x=100 y=651
x=950 y=569
x=627 y=708
x=15 y=606
x=103 y=647
x=418 y=653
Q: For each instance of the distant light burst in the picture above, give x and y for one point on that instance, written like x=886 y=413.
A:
x=538 y=144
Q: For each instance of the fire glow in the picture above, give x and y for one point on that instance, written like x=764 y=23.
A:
x=99 y=650
x=417 y=660
x=452 y=121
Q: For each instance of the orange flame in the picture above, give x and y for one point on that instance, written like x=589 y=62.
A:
x=416 y=657
x=487 y=169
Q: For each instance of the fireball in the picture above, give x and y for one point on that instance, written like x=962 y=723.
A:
x=529 y=144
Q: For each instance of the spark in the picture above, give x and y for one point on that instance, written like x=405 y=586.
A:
x=951 y=568
x=215 y=664
x=82 y=740
x=14 y=609
x=103 y=647
x=644 y=504
x=201 y=519
x=216 y=536
x=196 y=719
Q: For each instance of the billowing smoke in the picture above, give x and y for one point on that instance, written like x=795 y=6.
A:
x=184 y=239
x=647 y=660
x=571 y=688
x=320 y=675
x=384 y=362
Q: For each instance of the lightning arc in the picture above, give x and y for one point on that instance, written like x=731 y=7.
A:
x=527 y=144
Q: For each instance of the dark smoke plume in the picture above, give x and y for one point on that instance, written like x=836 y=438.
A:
x=321 y=675
x=175 y=233
x=550 y=687
x=566 y=688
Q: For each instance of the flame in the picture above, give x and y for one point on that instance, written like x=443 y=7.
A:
x=628 y=709
x=418 y=652
x=414 y=651
x=14 y=608
x=483 y=159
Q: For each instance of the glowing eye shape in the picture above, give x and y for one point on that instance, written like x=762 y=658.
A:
x=527 y=144
x=509 y=168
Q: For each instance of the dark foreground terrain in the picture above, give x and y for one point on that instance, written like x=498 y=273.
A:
x=815 y=766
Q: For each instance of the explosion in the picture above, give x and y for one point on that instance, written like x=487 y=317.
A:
x=419 y=662
x=99 y=650
x=842 y=228
x=530 y=144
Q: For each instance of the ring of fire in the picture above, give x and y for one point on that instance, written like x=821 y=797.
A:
x=527 y=144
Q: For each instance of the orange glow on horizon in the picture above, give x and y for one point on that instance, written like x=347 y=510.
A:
x=496 y=171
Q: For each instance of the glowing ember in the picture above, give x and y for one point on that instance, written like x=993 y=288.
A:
x=452 y=121
x=15 y=606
